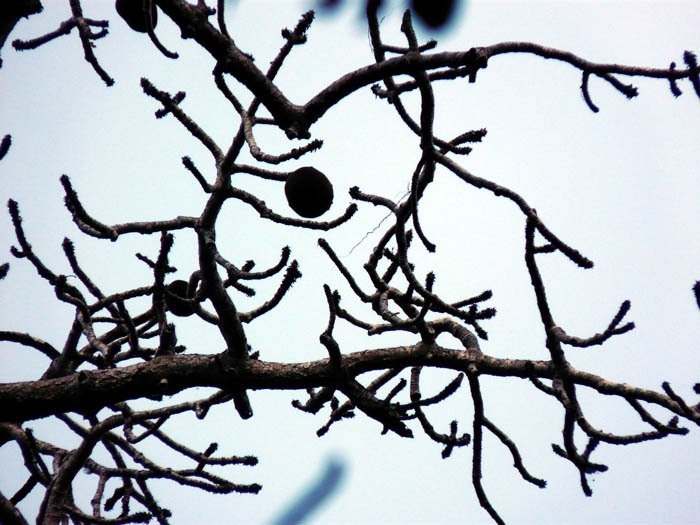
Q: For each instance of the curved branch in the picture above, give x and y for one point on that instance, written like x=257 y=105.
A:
x=266 y=213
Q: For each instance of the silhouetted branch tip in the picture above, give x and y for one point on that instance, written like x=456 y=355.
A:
x=5 y=145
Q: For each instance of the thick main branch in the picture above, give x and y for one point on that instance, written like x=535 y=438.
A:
x=91 y=390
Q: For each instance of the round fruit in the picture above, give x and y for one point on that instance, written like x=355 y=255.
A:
x=309 y=192
x=134 y=13
x=176 y=299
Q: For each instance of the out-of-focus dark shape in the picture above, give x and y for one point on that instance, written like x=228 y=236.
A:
x=134 y=13
x=10 y=13
x=434 y=13
x=329 y=5
x=332 y=5
x=696 y=291
x=314 y=495
x=309 y=192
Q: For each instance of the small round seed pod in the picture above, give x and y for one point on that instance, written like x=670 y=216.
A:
x=176 y=299
x=309 y=192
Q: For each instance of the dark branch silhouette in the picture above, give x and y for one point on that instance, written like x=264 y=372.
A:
x=120 y=348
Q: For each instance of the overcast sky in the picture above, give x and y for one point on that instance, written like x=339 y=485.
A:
x=621 y=186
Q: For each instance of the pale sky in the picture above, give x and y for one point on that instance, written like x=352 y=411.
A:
x=621 y=186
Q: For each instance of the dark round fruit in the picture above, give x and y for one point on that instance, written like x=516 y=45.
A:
x=134 y=14
x=434 y=13
x=309 y=192
x=176 y=299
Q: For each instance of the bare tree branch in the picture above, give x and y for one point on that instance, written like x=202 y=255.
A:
x=121 y=347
